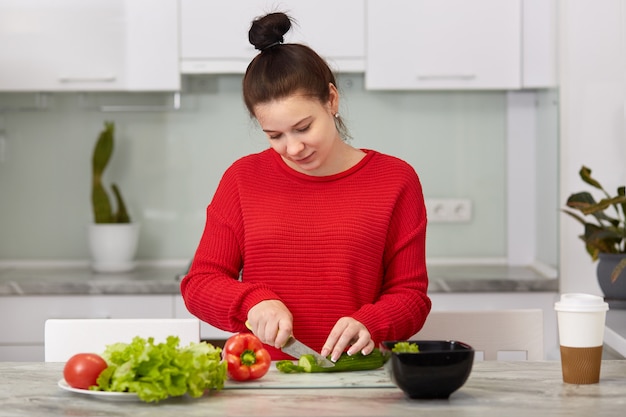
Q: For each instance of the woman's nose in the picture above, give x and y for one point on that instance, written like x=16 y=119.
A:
x=294 y=146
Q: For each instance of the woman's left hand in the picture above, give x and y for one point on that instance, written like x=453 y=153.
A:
x=348 y=332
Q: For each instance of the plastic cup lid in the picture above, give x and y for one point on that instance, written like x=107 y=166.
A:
x=577 y=302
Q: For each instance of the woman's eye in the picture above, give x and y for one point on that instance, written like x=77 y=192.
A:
x=303 y=129
x=274 y=136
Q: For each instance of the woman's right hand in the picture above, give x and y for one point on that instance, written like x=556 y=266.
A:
x=272 y=322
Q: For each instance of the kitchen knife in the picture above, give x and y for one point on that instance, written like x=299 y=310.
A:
x=296 y=349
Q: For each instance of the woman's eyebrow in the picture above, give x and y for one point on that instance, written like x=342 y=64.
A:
x=304 y=120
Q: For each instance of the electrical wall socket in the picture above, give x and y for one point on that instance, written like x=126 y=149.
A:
x=449 y=210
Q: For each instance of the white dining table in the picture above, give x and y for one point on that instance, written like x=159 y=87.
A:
x=494 y=388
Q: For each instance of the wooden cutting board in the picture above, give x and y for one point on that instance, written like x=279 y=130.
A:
x=378 y=378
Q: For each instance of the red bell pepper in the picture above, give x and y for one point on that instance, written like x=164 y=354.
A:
x=246 y=357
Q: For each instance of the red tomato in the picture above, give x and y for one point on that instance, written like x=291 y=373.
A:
x=82 y=370
x=246 y=357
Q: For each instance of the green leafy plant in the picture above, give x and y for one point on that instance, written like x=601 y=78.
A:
x=606 y=232
x=102 y=208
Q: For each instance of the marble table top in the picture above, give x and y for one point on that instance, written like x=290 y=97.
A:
x=493 y=389
x=166 y=280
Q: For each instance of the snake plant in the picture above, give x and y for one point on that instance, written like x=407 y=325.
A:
x=102 y=208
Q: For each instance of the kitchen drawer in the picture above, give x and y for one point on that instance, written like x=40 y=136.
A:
x=23 y=317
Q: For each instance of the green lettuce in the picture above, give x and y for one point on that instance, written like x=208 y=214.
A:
x=158 y=371
x=405 y=347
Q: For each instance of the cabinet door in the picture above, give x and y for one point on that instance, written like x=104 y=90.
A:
x=99 y=45
x=214 y=34
x=539 y=43
x=507 y=300
x=443 y=44
x=22 y=318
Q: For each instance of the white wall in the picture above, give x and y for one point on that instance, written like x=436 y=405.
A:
x=592 y=97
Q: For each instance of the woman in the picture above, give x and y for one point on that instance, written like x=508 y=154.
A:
x=311 y=237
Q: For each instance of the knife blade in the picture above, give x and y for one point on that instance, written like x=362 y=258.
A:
x=296 y=349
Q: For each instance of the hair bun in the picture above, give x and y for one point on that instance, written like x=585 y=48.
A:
x=269 y=30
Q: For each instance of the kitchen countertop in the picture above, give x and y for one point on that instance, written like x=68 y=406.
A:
x=165 y=280
x=494 y=388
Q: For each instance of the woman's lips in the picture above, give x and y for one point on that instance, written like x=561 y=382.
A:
x=303 y=160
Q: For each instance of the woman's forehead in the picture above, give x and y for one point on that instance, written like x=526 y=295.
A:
x=287 y=109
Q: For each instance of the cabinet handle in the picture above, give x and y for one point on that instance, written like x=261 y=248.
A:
x=437 y=77
x=78 y=79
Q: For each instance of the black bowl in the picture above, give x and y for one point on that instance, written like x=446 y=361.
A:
x=436 y=371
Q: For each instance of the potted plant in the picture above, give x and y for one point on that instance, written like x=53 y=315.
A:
x=604 y=233
x=113 y=237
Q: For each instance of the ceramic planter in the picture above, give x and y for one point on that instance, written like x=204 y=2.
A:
x=614 y=292
x=113 y=246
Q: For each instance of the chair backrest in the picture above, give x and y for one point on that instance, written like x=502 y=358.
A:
x=66 y=337
x=494 y=334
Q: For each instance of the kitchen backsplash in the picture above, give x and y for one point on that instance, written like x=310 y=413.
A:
x=168 y=163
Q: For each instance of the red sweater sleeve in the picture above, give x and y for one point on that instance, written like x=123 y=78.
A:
x=212 y=288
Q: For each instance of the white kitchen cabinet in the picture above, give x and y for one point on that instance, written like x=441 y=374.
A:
x=96 y=45
x=206 y=330
x=509 y=300
x=22 y=318
x=539 y=51
x=214 y=34
x=443 y=44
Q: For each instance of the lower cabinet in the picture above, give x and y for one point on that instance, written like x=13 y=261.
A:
x=22 y=318
x=507 y=300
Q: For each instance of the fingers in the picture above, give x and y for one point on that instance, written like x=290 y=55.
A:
x=348 y=332
x=271 y=322
x=365 y=345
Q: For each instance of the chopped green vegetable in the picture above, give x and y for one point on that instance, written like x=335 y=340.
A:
x=356 y=362
x=405 y=347
x=157 y=371
x=288 y=367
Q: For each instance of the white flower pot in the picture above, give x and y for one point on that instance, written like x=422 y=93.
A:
x=113 y=246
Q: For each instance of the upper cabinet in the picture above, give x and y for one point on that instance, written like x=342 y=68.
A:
x=461 y=44
x=539 y=20
x=443 y=44
x=214 y=33
x=145 y=45
x=95 y=45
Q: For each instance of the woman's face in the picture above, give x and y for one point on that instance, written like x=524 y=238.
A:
x=302 y=131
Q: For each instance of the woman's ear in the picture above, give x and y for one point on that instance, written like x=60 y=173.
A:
x=333 y=98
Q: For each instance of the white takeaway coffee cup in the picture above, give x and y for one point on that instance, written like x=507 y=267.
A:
x=581 y=319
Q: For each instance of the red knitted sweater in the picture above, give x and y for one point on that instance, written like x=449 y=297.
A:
x=350 y=244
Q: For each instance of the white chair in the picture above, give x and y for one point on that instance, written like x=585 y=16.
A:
x=494 y=334
x=66 y=337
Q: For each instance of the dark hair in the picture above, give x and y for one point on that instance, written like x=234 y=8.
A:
x=281 y=70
